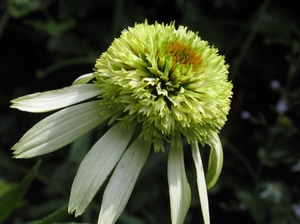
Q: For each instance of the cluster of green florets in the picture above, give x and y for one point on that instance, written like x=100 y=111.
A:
x=165 y=80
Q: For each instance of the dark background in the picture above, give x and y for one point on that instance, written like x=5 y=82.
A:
x=46 y=44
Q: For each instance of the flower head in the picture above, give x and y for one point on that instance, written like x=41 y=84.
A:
x=169 y=81
x=161 y=82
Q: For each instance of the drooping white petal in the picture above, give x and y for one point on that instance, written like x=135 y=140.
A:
x=55 y=99
x=58 y=130
x=179 y=188
x=83 y=79
x=202 y=189
x=215 y=161
x=121 y=183
x=96 y=166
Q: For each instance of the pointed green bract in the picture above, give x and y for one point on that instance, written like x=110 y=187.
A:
x=84 y=79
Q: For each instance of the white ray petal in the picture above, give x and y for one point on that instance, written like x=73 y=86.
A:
x=179 y=188
x=83 y=79
x=121 y=183
x=58 y=130
x=96 y=166
x=202 y=189
x=55 y=99
x=215 y=161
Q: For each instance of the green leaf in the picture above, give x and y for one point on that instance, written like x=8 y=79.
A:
x=5 y=187
x=51 y=27
x=55 y=216
x=129 y=219
x=9 y=202
x=72 y=223
x=253 y=204
x=19 y=8
x=37 y=222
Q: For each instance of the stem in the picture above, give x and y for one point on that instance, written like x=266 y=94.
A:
x=11 y=165
x=247 y=44
x=3 y=21
x=54 y=217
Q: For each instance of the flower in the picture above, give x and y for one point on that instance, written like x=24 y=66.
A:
x=275 y=84
x=155 y=80
x=281 y=106
x=245 y=114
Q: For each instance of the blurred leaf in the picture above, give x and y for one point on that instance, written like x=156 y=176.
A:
x=72 y=223
x=51 y=27
x=19 y=8
x=55 y=216
x=253 y=204
x=265 y=157
x=64 y=63
x=5 y=187
x=129 y=219
x=47 y=208
x=80 y=147
x=275 y=193
x=10 y=201
x=270 y=24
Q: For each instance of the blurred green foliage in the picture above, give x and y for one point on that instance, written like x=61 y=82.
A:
x=46 y=44
x=12 y=199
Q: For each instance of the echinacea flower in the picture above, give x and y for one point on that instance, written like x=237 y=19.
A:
x=155 y=85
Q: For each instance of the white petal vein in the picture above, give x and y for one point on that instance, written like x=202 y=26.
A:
x=58 y=130
x=121 y=183
x=179 y=188
x=96 y=166
x=55 y=99
x=201 y=182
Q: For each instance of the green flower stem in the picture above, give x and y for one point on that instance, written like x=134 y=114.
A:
x=54 y=217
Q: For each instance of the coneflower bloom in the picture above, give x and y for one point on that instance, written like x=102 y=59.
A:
x=154 y=86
